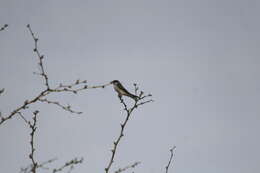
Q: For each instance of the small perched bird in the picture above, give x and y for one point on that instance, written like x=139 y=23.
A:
x=122 y=91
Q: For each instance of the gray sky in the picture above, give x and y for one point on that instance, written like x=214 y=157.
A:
x=200 y=60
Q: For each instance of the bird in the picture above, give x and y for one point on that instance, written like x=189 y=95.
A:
x=122 y=91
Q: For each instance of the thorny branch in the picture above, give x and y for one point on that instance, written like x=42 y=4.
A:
x=128 y=111
x=4 y=27
x=75 y=87
x=127 y=167
x=170 y=160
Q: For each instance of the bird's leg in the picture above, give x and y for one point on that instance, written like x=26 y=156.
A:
x=120 y=97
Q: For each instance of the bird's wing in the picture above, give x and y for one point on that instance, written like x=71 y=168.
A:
x=123 y=88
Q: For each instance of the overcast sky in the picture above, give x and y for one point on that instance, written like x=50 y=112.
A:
x=199 y=59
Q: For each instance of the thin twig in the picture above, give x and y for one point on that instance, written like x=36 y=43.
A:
x=66 y=108
x=170 y=160
x=119 y=137
x=25 y=120
x=69 y=164
x=69 y=88
x=127 y=167
x=36 y=50
x=42 y=165
x=33 y=127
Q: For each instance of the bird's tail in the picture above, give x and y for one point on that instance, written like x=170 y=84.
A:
x=133 y=96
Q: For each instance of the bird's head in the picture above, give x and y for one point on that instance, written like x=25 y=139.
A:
x=115 y=82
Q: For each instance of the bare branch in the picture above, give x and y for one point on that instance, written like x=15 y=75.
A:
x=32 y=126
x=127 y=167
x=61 y=88
x=71 y=87
x=69 y=164
x=24 y=106
x=42 y=165
x=116 y=142
x=4 y=27
x=123 y=125
x=170 y=160
x=66 y=108
x=42 y=73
